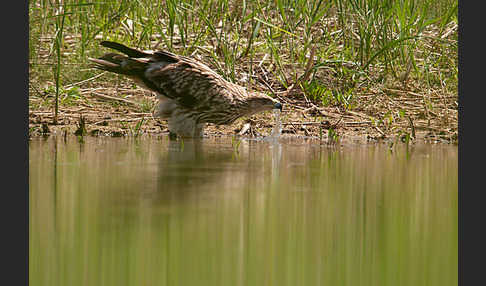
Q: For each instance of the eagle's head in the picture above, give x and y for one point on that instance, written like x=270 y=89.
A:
x=258 y=102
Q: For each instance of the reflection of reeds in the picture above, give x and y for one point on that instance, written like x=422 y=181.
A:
x=137 y=212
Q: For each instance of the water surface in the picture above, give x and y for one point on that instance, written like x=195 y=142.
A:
x=124 y=211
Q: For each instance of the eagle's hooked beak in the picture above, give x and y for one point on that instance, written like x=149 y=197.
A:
x=278 y=105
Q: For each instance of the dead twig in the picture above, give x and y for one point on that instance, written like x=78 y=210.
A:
x=379 y=130
x=86 y=80
x=107 y=97
x=121 y=119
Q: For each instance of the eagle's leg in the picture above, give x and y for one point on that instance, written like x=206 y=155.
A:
x=180 y=122
x=185 y=126
x=165 y=108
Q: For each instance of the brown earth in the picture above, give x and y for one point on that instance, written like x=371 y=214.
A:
x=375 y=118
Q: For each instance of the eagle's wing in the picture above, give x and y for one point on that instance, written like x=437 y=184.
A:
x=190 y=83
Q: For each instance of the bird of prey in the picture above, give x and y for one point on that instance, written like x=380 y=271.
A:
x=190 y=94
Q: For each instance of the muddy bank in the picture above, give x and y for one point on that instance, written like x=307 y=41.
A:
x=109 y=115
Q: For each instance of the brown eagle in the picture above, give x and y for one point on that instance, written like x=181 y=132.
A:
x=190 y=93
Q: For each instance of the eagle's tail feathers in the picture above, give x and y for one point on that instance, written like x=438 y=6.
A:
x=133 y=53
x=119 y=64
